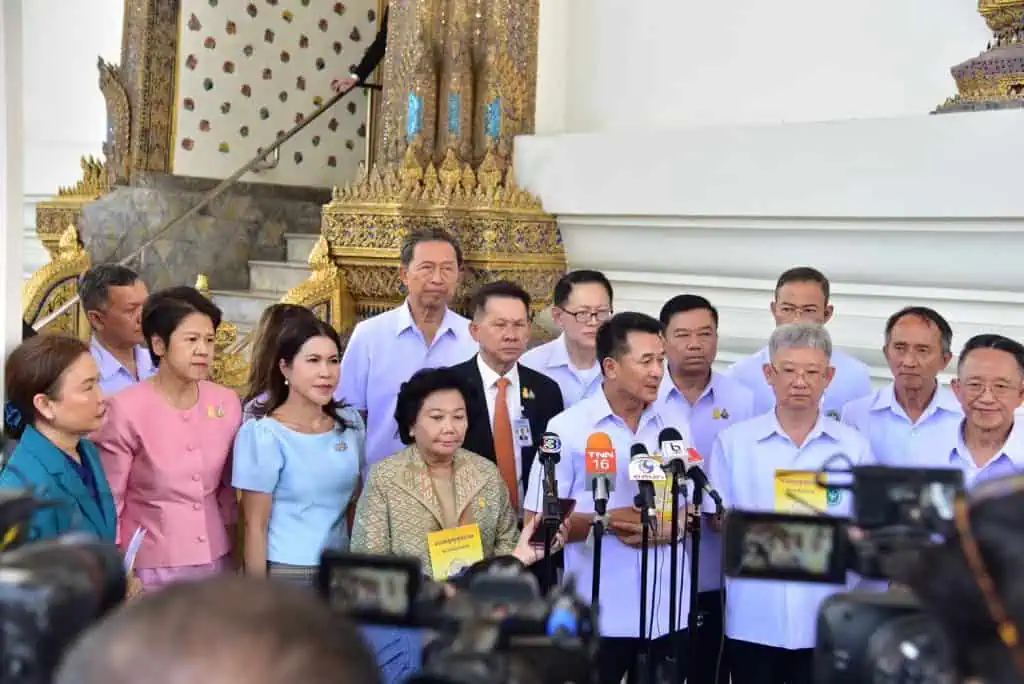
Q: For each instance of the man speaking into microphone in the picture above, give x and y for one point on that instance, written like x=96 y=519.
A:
x=597 y=435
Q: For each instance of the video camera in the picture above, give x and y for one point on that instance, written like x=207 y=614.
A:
x=495 y=628
x=863 y=635
x=50 y=591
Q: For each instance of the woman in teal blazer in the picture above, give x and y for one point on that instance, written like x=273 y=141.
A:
x=54 y=402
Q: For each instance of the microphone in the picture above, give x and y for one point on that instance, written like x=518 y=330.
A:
x=673 y=451
x=645 y=471
x=694 y=472
x=601 y=467
x=550 y=453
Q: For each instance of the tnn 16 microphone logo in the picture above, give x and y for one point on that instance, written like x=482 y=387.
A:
x=600 y=462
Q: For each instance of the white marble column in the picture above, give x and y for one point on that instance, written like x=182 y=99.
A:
x=11 y=174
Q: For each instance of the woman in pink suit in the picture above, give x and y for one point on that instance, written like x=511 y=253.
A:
x=166 y=447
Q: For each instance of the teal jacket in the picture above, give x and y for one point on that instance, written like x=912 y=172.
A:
x=39 y=466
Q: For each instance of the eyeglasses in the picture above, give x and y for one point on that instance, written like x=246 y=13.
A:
x=972 y=554
x=585 y=316
x=790 y=375
x=1000 y=390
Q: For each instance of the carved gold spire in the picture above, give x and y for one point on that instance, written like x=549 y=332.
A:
x=995 y=78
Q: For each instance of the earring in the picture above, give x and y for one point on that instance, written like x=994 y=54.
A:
x=286 y=382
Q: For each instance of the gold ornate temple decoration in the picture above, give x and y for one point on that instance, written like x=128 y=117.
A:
x=53 y=216
x=995 y=78
x=55 y=284
x=325 y=293
x=230 y=367
x=459 y=84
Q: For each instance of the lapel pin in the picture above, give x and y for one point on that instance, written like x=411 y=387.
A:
x=340 y=446
x=527 y=394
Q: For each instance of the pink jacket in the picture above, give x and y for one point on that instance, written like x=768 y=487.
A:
x=170 y=472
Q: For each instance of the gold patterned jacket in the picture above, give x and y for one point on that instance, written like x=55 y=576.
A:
x=399 y=507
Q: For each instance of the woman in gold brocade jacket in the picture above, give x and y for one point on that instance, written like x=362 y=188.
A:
x=435 y=484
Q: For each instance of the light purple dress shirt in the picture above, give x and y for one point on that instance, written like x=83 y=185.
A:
x=743 y=465
x=1009 y=461
x=113 y=376
x=723 y=403
x=620 y=564
x=894 y=438
x=552 y=359
x=385 y=351
x=852 y=381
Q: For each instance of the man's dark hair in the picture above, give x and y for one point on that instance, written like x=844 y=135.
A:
x=421 y=385
x=563 y=288
x=94 y=285
x=683 y=303
x=428 y=235
x=165 y=310
x=222 y=631
x=993 y=341
x=804 y=274
x=612 y=336
x=928 y=315
x=499 y=288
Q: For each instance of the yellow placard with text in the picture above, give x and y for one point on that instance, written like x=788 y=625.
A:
x=453 y=550
x=798 y=491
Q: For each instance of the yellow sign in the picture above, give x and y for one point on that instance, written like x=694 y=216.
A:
x=798 y=491
x=453 y=550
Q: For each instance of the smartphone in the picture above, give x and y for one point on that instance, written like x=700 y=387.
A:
x=374 y=589
x=797 y=548
x=565 y=509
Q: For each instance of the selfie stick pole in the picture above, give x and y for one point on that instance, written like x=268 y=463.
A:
x=698 y=499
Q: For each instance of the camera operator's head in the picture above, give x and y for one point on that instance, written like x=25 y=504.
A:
x=974 y=582
x=223 y=631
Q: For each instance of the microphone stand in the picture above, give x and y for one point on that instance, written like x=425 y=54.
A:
x=698 y=500
x=675 y=657
x=552 y=517
x=643 y=662
x=599 y=524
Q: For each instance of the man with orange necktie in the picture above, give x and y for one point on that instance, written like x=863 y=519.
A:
x=519 y=401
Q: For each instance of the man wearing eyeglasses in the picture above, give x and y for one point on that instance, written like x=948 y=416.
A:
x=582 y=302
x=988 y=444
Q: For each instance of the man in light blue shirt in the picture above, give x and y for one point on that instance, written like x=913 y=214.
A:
x=914 y=412
x=989 y=442
x=624 y=412
x=802 y=296
x=384 y=351
x=582 y=302
x=112 y=297
x=700 y=403
x=771 y=624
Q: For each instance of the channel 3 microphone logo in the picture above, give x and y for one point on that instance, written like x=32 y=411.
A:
x=550 y=444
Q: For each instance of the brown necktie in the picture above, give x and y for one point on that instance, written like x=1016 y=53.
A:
x=504 y=442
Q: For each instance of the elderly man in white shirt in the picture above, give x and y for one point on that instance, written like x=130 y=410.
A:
x=802 y=296
x=770 y=625
x=911 y=415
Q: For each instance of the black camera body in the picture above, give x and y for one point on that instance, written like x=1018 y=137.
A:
x=862 y=635
x=495 y=629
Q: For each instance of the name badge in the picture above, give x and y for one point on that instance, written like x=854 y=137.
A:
x=521 y=428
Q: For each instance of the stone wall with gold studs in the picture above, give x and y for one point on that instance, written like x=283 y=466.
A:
x=249 y=70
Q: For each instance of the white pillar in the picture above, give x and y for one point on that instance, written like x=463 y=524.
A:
x=11 y=172
x=553 y=51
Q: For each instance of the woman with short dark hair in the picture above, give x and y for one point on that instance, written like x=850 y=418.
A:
x=54 y=402
x=166 y=446
x=298 y=462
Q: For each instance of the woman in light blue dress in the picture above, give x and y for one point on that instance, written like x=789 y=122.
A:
x=299 y=461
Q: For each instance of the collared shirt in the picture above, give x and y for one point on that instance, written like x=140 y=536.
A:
x=743 y=465
x=170 y=473
x=114 y=377
x=1009 y=460
x=515 y=408
x=620 y=564
x=894 y=438
x=552 y=359
x=724 y=402
x=852 y=381
x=385 y=351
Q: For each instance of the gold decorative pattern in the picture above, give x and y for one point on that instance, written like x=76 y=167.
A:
x=325 y=293
x=230 y=368
x=117 y=148
x=53 y=216
x=55 y=284
x=995 y=78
